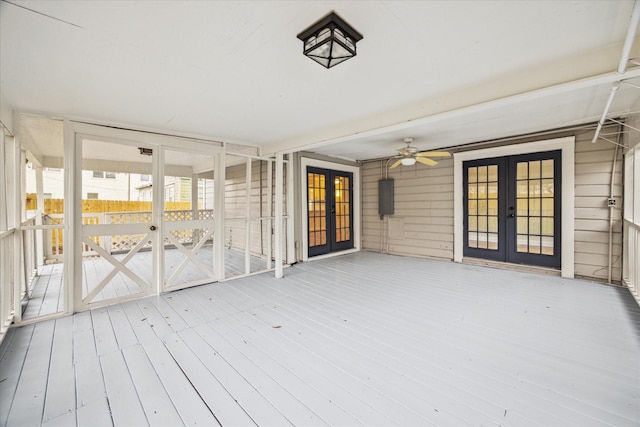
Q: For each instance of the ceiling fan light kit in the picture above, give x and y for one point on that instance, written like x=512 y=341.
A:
x=410 y=155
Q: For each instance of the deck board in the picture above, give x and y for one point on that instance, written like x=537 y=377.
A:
x=29 y=400
x=60 y=401
x=186 y=399
x=362 y=339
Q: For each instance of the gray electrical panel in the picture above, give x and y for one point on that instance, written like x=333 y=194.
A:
x=385 y=197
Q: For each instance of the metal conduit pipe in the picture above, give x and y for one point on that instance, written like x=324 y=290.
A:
x=614 y=88
x=622 y=66
x=611 y=206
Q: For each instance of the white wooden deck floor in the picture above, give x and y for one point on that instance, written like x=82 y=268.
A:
x=46 y=296
x=363 y=339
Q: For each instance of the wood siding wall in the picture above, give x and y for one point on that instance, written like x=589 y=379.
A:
x=423 y=221
x=594 y=163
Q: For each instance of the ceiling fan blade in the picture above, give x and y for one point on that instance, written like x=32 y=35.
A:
x=396 y=164
x=434 y=154
x=403 y=151
x=426 y=161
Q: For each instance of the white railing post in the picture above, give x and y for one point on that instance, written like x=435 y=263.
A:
x=269 y=213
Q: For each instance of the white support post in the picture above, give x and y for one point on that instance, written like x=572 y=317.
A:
x=157 y=213
x=291 y=242
x=247 y=223
x=5 y=291
x=269 y=213
x=72 y=236
x=219 y=176
x=278 y=215
x=4 y=202
x=194 y=197
x=15 y=217
x=39 y=214
x=195 y=234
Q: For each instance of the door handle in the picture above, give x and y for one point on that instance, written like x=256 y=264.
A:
x=153 y=228
x=512 y=215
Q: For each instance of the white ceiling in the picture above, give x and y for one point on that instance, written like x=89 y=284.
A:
x=443 y=72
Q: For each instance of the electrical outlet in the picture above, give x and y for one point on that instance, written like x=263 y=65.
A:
x=611 y=202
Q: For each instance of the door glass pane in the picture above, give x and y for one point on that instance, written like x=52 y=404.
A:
x=473 y=223
x=482 y=174
x=522 y=170
x=317 y=210
x=547 y=168
x=523 y=226
x=547 y=245
x=534 y=169
x=547 y=207
x=492 y=225
x=547 y=188
x=522 y=243
x=535 y=206
x=492 y=241
x=473 y=239
x=482 y=207
x=493 y=207
x=342 y=188
x=472 y=174
x=534 y=244
x=492 y=171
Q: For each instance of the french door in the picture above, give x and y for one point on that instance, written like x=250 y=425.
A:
x=512 y=208
x=329 y=210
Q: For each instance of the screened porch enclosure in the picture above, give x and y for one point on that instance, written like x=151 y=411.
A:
x=144 y=215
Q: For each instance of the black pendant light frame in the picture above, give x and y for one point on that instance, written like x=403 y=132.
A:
x=335 y=33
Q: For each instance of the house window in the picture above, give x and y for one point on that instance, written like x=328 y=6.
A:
x=103 y=174
x=92 y=196
x=48 y=196
x=145 y=178
x=169 y=193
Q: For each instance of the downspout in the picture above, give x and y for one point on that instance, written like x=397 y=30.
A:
x=622 y=66
x=612 y=205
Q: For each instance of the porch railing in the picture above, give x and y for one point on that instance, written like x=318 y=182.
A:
x=118 y=243
x=631 y=273
x=7 y=280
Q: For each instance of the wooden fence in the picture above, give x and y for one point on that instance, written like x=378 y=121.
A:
x=56 y=206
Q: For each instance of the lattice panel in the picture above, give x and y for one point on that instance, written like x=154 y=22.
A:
x=205 y=214
x=129 y=218
x=126 y=242
x=178 y=215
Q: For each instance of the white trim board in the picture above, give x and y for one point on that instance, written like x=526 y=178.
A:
x=567 y=146
x=306 y=161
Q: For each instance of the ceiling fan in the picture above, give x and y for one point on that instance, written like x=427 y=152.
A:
x=410 y=155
